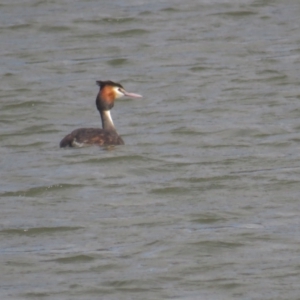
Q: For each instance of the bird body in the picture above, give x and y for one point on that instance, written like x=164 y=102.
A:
x=109 y=91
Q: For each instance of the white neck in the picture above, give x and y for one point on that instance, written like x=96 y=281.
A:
x=107 y=122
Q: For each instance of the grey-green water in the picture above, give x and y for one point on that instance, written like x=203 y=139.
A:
x=203 y=200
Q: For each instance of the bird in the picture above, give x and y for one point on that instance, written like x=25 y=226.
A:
x=109 y=91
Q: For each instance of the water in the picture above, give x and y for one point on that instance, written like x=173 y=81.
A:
x=203 y=200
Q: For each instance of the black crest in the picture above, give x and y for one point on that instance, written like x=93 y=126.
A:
x=102 y=84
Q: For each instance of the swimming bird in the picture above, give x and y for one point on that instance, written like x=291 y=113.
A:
x=109 y=91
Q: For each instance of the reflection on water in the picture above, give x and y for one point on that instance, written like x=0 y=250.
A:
x=202 y=201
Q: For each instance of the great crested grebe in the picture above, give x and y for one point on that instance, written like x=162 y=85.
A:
x=109 y=91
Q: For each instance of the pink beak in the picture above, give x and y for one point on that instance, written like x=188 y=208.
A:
x=132 y=95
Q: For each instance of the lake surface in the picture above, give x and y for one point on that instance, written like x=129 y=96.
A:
x=203 y=200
